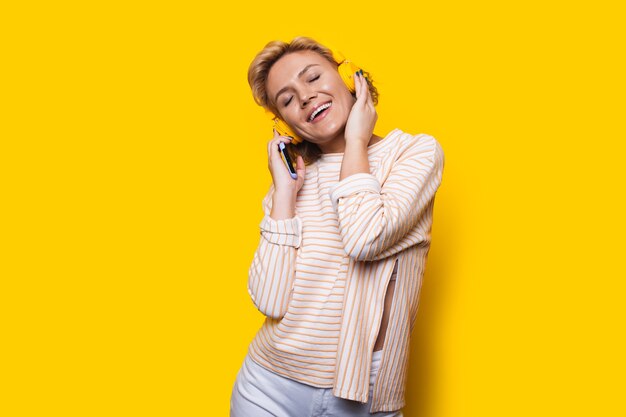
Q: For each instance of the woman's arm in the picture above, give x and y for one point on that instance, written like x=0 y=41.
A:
x=372 y=218
x=272 y=273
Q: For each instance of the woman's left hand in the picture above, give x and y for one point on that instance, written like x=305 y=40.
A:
x=363 y=116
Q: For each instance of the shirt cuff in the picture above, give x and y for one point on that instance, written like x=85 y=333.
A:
x=361 y=181
x=282 y=232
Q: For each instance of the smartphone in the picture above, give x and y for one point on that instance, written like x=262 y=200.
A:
x=283 y=151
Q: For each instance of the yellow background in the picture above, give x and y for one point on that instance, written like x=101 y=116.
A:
x=133 y=164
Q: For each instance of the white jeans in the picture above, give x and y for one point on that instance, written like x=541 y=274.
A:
x=259 y=392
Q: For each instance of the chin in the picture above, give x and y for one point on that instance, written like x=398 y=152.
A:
x=323 y=138
x=329 y=133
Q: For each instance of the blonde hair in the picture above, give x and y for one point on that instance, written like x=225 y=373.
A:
x=257 y=78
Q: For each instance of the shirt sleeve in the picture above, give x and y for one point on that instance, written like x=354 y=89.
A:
x=272 y=273
x=374 y=216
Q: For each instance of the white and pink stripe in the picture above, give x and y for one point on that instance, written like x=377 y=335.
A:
x=321 y=276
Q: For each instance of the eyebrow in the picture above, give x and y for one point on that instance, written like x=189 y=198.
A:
x=282 y=90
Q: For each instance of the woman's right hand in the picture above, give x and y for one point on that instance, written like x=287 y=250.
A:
x=283 y=182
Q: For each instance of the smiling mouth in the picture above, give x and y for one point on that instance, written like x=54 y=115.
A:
x=322 y=114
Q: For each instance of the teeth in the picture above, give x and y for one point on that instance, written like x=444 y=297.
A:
x=319 y=109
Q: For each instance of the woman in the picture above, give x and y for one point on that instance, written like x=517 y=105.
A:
x=339 y=266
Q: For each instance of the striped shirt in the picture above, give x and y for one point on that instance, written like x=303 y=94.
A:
x=320 y=277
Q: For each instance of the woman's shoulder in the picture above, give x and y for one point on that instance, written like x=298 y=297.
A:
x=418 y=145
x=417 y=139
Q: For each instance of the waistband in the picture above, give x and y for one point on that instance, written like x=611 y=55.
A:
x=377 y=355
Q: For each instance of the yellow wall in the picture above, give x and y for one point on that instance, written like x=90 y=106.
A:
x=134 y=160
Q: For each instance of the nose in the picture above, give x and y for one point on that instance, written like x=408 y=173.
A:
x=306 y=98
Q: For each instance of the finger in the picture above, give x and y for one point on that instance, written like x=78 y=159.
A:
x=274 y=153
x=356 y=84
x=368 y=92
x=363 y=89
x=269 y=142
x=273 y=150
x=300 y=169
x=277 y=138
x=277 y=135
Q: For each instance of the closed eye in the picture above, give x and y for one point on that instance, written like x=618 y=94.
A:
x=311 y=80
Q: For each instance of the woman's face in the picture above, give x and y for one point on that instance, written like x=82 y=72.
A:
x=296 y=94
